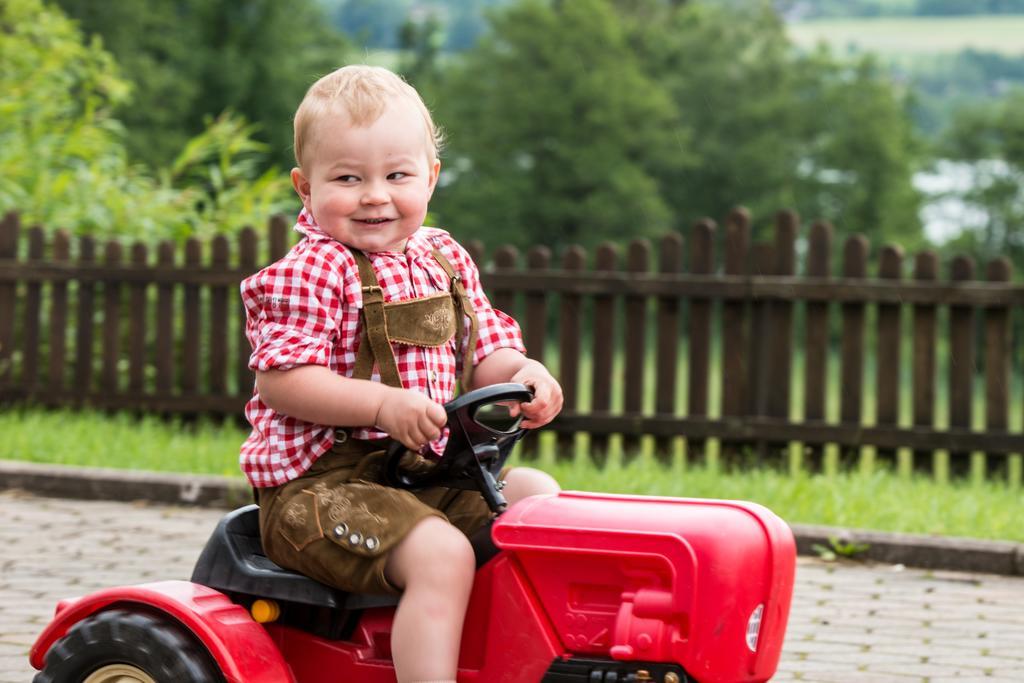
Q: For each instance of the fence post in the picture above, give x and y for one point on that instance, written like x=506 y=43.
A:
x=762 y=263
x=925 y=270
x=9 y=229
x=603 y=356
x=476 y=252
x=890 y=341
x=570 y=321
x=277 y=241
x=851 y=395
x=961 y=366
x=58 y=317
x=997 y=364
x=667 y=360
x=192 y=329
x=787 y=224
x=112 y=257
x=165 y=323
x=735 y=351
x=219 y=321
x=816 y=342
x=701 y=263
x=538 y=258
x=505 y=259
x=84 y=332
x=138 y=311
x=244 y=377
x=637 y=262
x=33 y=308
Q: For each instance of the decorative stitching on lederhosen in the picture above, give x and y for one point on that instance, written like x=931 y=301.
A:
x=433 y=329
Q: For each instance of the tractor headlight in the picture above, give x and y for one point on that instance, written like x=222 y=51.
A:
x=754 y=627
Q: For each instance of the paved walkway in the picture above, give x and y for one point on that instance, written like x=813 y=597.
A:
x=849 y=623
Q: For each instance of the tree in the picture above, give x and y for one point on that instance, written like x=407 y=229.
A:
x=729 y=73
x=379 y=23
x=193 y=59
x=63 y=163
x=857 y=151
x=942 y=84
x=160 y=63
x=556 y=135
x=373 y=23
x=989 y=140
x=582 y=121
x=775 y=129
x=421 y=42
x=963 y=7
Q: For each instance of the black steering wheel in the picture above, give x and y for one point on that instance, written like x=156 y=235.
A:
x=481 y=435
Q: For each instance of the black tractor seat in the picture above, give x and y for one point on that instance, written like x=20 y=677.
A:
x=233 y=562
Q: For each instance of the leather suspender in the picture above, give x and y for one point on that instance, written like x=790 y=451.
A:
x=463 y=308
x=374 y=342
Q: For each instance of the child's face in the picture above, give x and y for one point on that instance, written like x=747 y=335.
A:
x=368 y=187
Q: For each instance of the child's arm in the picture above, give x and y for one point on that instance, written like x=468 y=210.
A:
x=509 y=365
x=502 y=348
x=315 y=393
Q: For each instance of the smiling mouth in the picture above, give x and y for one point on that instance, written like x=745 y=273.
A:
x=374 y=221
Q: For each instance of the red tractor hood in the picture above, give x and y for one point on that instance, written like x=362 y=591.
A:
x=703 y=583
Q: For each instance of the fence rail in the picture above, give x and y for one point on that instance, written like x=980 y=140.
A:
x=765 y=346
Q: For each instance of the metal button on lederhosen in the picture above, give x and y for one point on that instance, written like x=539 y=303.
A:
x=337 y=521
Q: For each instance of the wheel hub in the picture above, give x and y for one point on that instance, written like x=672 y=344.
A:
x=119 y=673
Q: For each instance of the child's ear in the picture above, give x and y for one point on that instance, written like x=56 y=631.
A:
x=435 y=171
x=301 y=185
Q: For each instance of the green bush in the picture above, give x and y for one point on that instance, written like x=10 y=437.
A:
x=63 y=162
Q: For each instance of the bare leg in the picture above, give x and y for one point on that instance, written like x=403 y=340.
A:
x=434 y=567
x=521 y=482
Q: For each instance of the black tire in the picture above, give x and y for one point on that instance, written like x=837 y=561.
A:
x=143 y=642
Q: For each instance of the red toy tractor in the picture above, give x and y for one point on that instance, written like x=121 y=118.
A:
x=574 y=587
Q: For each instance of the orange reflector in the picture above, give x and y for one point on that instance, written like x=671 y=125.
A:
x=265 y=610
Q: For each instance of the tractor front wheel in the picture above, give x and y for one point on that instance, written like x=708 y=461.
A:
x=123 y=645
x=119 y=673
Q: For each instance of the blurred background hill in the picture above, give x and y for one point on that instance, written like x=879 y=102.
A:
x=567 y=122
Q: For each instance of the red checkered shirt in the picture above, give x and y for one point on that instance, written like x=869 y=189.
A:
x=304 y=310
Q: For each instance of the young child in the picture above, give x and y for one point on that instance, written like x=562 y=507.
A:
x=359 y=334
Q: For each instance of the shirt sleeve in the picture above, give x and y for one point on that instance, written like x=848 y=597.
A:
x=496 y=330
x=292 y=309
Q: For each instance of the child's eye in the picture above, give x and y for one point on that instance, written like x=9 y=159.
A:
x=397 y=175
x=347 y=178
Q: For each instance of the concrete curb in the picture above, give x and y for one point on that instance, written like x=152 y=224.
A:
x=98 y=483
x=917 y=550
x=95 y=483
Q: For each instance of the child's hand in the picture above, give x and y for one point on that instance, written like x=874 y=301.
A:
x=547 y=395
x=411 y=418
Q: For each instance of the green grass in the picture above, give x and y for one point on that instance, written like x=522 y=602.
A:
x=914 y=35
x=871 y=500
x=863 y=498
x=124 y=441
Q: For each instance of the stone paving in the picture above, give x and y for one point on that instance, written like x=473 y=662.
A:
x=849 y=623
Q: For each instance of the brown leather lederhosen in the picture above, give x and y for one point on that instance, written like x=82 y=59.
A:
x=337 y=521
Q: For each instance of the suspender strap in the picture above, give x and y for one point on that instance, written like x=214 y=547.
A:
x=464 y=308
x=374 y=343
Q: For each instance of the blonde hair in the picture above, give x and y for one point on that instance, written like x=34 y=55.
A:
x=362 y=93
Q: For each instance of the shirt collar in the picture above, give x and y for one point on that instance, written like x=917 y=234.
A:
x=418 y=245
x=306 y=225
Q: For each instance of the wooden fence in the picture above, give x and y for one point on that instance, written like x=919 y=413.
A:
x=749 y=350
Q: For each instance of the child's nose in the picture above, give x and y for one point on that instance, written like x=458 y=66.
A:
x=375 y=193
